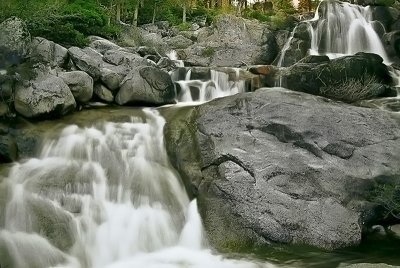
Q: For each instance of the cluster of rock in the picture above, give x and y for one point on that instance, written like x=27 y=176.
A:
x=229 y=41
x=60 y=79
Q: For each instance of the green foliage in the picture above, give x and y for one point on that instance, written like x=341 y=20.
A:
x=282 y=21
x=256 y=14
x=208 y=52
x=65 y=22
x=388 y=196
x=184 y=26
x=386 y=2
x=69 y=22
x=284 y=6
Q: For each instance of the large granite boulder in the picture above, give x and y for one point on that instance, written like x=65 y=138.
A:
x=146 y=85
x=234 y=42
x=125 y=58
x=102 y=45
x=349 y=78
x=103 y=93
x=80 y=84
x=45 y=96
x=48 y=52
x=283 y=166
x=178 y=42
x=86 y=62
x=15 y=41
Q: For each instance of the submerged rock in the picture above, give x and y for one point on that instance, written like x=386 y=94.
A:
x=283 y=166
x=19 y=250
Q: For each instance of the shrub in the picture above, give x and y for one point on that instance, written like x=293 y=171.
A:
x=256 y=14
x=388 y=196
x=351 y=90
x=208 y=52
x=184 y=26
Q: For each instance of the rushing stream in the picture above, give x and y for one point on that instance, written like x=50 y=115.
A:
x=104 y=196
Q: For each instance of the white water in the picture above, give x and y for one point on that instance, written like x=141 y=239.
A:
x=172 y=55
x=110 y=190
x=344 y=29
x=339 y=29
x=197 y=91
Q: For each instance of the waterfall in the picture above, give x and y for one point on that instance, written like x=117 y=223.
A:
x=172 y=55
x=104 y=196
x=339 y=29
x=220 y=85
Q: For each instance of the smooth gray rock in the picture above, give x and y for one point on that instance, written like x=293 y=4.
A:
x=48 y=52
x=103 y=45
x=47 y=95
x=103 y=93
x=125 y=58
x=146 y=85
x=85 y=62
x=113 y=76
x=283 y=166
x=80 y=84
x=94 y=54
x=178 y=42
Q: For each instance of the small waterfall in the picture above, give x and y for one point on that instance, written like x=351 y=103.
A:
x=220 y=85
x=341 y=28
x=172 y=55
x=104 y=196
x=280 y=82
x=285 y=48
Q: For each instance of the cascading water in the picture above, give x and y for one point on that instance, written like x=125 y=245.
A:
x=220 y=85
x=104 y=196
x=172 y=55
x=339 y=29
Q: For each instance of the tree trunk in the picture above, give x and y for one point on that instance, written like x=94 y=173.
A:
x=212 y=4
x=154 y=14
x=118 y=15
x=184 y=14
x=135 y=15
